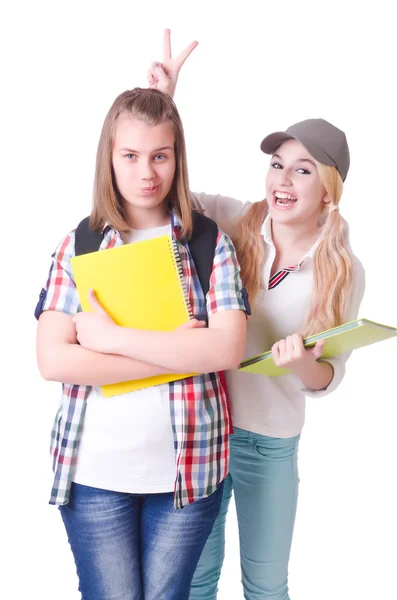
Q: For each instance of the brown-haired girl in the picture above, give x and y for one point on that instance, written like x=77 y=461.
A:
x=125 y=466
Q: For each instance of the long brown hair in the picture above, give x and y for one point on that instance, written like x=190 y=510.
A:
x=152 y=107
x=332 y=260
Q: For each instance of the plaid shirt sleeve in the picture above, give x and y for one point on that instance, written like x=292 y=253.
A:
x=226 y=290
x=60 y=292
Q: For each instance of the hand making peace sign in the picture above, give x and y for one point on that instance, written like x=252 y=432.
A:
x=164 y=76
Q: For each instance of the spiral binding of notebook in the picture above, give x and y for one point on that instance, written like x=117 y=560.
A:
x=178 y=266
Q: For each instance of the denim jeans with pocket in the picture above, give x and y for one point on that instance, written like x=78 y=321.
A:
x=136 y=547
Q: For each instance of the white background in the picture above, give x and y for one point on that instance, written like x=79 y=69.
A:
x=260 y=67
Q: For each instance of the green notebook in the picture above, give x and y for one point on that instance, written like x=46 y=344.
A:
x=337 y=341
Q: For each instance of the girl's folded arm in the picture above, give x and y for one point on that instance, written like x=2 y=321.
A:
x=61 y=358
x=216 y=348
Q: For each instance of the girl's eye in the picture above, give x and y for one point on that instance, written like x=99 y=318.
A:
x=276 y=166
x=159 y=156
x=302 y=171
x=130 y=155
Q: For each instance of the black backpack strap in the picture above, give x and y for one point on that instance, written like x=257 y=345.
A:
x=202 y=246
x=86 y=240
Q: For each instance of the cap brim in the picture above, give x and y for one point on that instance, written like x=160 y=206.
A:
x=271 y=142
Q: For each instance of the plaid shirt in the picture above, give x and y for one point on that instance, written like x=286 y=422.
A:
x=198 y=405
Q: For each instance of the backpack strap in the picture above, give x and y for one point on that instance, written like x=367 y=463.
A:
x=202 y=246
x=86 y=240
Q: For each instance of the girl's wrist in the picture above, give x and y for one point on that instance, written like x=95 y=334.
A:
x=314 y=374
x=117 y=341
x=306 y=366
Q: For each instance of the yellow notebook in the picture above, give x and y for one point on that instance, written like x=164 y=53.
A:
x=141 y=286
x=338 y=340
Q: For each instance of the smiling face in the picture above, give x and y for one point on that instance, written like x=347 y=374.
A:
x=143 y=162
x=294 y=190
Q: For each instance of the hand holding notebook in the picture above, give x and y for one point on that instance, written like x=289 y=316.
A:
x=140 y=286
x=338 y=340
x=95 y=328
x=97 y=331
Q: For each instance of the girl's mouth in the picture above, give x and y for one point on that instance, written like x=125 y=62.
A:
x=284 y=200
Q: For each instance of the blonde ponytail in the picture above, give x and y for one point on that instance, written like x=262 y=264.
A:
x=250 y=247
x=332 y=262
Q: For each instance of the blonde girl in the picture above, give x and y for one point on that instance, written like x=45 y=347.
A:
x=302 y=278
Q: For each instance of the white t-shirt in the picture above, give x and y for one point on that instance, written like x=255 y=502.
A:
x=274 y=406
x=127 y=443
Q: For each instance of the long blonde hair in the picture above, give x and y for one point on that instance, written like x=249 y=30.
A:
x=152 y=107
x=332 y=260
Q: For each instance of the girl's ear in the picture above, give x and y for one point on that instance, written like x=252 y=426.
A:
x=327 y=198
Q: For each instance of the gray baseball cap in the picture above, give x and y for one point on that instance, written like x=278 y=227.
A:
x=325 y=142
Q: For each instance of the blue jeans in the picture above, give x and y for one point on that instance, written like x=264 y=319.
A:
x=135 y=547
x=264 y=476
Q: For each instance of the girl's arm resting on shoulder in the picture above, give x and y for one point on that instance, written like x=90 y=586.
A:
x=216 y=348
x=223 y=210
x=61 y=358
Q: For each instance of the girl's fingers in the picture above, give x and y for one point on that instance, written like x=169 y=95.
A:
x=297 y=342
x=95 y=304
x=162 y=79
x=289 y=346
x=180 y=59
x=167 y=53
x=276 y=352
x=282 y=348
x=167 y=45
x=150 y=77
x=193 y=324
x=318 y=349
